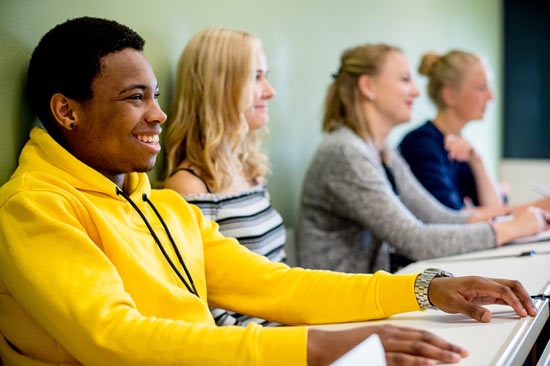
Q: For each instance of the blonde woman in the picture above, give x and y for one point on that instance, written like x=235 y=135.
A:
x=447 y=165
x=362 y=209
x=213 y=148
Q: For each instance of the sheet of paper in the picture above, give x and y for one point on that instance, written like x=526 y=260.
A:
x=369 y=352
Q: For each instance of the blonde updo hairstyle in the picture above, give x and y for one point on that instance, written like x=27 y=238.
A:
x=446 y=70
x=207 y=126
x=343 y=99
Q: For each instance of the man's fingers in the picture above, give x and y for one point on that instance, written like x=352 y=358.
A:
x=423 y=349
x=472 y=310
x=505 y=293
x=396 y=359
x=465 y=294
x=412 y=334
x=476 y=289
x=521 y=294
x=476 y=312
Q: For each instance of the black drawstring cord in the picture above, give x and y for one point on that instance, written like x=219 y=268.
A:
x=193 y=290
x=146 y=199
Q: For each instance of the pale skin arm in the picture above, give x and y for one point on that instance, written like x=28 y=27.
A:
x=487 y=190
x=487 y=213
x=406 y=346
x=527 y=220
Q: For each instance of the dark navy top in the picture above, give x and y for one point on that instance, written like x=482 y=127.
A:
x=447 y=180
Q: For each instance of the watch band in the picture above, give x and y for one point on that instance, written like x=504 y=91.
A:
x=422 y=284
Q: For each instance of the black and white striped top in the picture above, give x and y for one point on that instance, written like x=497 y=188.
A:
x=249 y=218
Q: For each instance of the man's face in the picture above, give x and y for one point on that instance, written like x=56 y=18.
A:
x=118 y=129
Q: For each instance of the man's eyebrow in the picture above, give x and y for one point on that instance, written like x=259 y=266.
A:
x=136 y=86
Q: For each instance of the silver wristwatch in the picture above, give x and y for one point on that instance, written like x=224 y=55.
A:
x=422 y=284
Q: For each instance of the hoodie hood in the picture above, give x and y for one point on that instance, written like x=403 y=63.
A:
x=43 y=157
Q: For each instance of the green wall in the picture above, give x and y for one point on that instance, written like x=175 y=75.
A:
x=302 y=39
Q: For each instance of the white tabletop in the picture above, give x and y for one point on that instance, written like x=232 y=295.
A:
x=533 y=271
x=507 y=339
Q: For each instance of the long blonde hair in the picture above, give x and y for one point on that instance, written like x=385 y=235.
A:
x=207 y=125
x=343 y=100
x=446 y=70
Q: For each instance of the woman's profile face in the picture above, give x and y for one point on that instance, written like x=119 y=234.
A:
x=473 y=94
x=394 y=89
x=257 y=114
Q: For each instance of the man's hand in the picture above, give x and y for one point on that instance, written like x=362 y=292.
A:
x=403 y=346
x=466 y=295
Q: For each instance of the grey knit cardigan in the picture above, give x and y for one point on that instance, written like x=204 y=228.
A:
x=351 y=219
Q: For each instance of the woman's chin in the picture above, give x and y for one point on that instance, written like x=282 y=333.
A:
x=256 y=125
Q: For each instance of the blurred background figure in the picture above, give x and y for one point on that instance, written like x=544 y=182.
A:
x=447 y=165
x=362 y=208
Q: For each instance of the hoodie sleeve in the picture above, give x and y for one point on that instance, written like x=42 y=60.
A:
x=65 y=282
x=245 y=282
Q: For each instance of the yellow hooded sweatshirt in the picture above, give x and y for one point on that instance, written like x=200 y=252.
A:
x=83 y=282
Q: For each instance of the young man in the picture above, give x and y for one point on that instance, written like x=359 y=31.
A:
x=98 y=268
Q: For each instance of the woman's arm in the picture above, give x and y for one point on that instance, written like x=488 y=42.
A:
x=487 y=213
x=524 y=223
x=487 y=190
x=357 y=189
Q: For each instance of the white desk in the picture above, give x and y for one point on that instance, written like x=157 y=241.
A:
x=508 y=339
x=532 y=271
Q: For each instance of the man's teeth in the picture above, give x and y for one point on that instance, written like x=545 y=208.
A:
x=148 y=138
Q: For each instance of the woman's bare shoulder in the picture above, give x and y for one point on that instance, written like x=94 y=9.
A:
x=185 y=182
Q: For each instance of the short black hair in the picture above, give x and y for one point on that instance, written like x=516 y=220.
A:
x=68 y=58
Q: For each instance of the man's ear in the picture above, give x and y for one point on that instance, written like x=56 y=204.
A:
x=366 y=87
x=448 y=95
x=65 y=111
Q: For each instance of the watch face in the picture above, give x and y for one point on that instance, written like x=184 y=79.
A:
x=445 y=274
x=439 y=272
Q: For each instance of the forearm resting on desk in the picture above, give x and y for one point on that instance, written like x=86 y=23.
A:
x=526 y=222
x=487 y=213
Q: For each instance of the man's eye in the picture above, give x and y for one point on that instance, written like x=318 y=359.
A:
x=156 y=95
x=136 y=97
